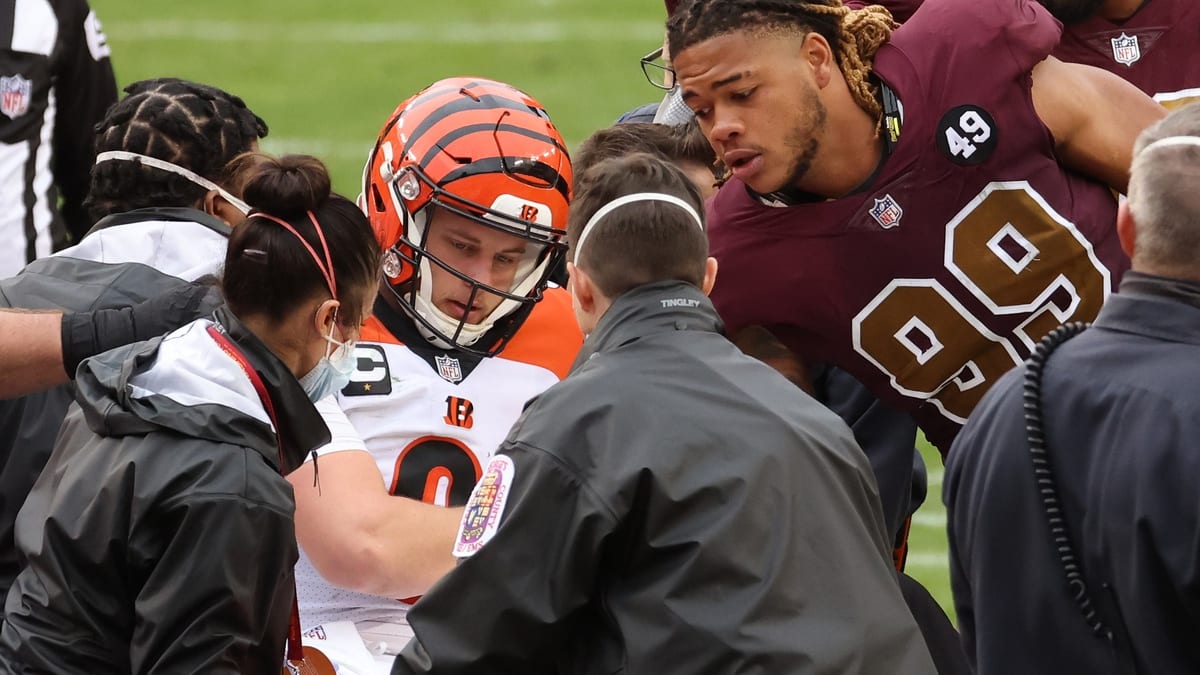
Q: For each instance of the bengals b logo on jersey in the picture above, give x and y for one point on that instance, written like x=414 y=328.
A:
x=459 y=412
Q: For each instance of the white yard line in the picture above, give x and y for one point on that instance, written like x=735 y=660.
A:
x=928 y=560
x=345 y=32
x=932 y=519
x=318 y=147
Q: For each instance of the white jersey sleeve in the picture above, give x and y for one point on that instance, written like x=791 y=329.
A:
x=344 y=436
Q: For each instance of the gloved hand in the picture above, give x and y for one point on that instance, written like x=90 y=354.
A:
x=85 y=334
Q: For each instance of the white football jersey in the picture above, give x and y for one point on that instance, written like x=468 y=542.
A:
x=432 y=420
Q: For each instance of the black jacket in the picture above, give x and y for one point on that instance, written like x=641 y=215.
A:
x=673 y=507
x=1121 y=413
x=160 y=539
x=126 y=259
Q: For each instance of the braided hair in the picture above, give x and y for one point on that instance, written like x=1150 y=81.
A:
x=196 y=126
x=854 y=35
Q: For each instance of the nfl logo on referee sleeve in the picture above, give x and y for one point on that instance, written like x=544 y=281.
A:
x=15 y=93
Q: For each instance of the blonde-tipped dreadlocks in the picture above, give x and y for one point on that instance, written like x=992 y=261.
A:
x=855 y=35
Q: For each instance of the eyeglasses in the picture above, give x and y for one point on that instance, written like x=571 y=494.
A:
x=656 y=71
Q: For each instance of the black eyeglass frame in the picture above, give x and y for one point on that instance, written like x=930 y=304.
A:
x=658 y=75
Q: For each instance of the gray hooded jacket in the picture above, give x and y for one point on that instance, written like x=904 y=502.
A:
x=159 y=538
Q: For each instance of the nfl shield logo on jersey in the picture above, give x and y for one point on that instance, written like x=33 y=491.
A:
x=887 y=212
x=449 y=368
x=15 y=93
x=1126 y=50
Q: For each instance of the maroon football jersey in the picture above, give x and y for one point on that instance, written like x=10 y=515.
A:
x=1155 y=49
x=900 y=9
x=971 y=243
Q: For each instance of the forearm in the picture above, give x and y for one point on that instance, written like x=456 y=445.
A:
x=30 y=351
x=407 y=548
x=361 y=538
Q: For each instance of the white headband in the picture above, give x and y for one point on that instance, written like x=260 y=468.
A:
x=121 y=155
x=1170 y=141
x=629 y=199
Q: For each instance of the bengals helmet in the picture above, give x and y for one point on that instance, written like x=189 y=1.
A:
x=485 y=151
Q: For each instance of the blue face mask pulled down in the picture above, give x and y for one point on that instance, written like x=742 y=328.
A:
x=332 y=373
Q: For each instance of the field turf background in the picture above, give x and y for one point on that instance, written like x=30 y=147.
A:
x=325 y=75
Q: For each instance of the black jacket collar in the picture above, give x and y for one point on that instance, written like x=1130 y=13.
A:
x=653 y=308
x=169 y=213
x=300 y=427
x=1159 y=307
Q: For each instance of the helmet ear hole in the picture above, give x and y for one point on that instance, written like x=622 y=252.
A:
x=377 y=198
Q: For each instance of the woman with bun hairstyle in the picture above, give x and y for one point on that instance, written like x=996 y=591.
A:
x=160 y=538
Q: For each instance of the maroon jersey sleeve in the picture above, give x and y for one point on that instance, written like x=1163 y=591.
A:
x=901 y=9
x=998 y=40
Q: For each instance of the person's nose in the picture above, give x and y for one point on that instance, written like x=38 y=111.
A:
x=727 y=126
x=480 y=269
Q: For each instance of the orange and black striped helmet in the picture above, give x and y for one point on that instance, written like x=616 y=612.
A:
x=483 y=150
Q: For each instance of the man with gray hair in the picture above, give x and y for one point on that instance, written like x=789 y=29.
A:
x=1072 y=489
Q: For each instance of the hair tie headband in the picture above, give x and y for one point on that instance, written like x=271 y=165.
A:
x=146 y=160
x=630 y=199
x=327 y=267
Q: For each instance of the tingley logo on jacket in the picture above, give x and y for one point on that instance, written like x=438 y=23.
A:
x=1126 y=50
x=15 y=94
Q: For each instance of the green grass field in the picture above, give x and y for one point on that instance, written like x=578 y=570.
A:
x=325 y=75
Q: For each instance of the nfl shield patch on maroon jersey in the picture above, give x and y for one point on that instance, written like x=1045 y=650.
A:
x=1126 y=50
x=887 y=212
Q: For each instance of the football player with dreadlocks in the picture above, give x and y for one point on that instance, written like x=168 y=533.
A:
x=162 y=198
x=467 y=190
x=921 y=214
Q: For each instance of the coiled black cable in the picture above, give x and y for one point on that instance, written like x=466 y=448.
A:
x=1046 y=485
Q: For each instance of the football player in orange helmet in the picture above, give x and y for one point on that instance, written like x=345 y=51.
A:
x=467 y=190
x=476 y=152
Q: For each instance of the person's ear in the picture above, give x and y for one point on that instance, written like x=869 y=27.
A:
x=326 y=315
x=1126 y=228
x=581 y=288
x=215 y=205
x=819 y=55
x=710 y=275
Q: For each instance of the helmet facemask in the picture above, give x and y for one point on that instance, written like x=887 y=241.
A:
x=468 y=150
x=543 y=248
